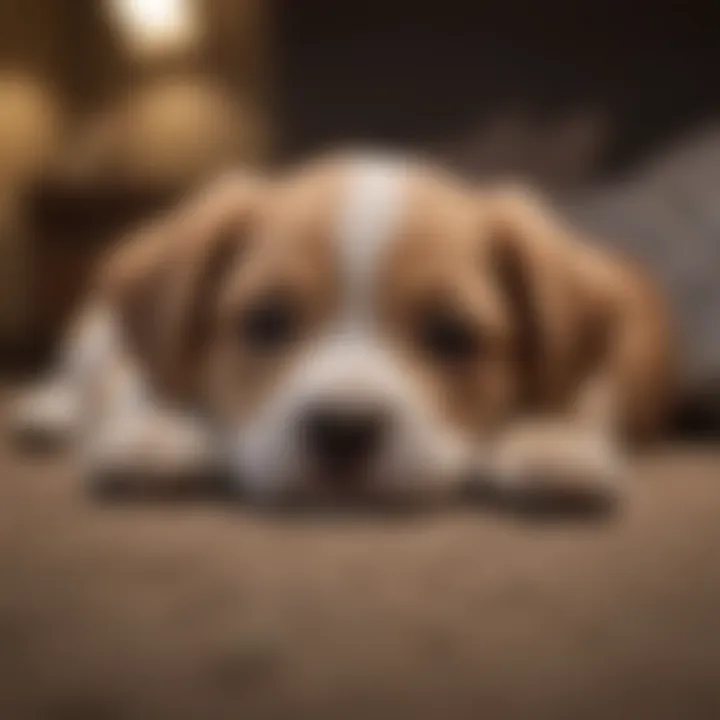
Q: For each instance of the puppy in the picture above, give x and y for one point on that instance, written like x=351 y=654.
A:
x=363 y=326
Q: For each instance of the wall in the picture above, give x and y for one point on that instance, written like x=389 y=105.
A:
x=560 y=90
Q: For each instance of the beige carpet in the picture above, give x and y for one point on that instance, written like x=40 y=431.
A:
x=206 y=611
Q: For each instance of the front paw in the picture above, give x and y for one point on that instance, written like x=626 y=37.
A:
x=45 y=416
x=557 y=466
x=152 y=455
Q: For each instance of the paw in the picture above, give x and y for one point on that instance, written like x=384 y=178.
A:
x=44 y=416
x=156 y=454
x=558 y=466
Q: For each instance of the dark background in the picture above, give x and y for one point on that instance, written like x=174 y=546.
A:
x=438 y=74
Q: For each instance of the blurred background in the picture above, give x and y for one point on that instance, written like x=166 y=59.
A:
x=111 y=108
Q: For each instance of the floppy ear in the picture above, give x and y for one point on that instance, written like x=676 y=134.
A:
x=558 y=314
x=595 y=336
x=163 y=282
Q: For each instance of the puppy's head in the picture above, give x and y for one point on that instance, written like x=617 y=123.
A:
x=360 y=326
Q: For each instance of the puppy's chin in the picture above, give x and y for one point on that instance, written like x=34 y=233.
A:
x=279 y=474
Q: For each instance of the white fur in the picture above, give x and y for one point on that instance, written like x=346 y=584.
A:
x=54 y=407
x=556 y=458
x=98 y=397
x=371 y=210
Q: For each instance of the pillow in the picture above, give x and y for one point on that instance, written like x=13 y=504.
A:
x=668 y=217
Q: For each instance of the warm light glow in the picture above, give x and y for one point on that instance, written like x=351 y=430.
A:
x=156 y=25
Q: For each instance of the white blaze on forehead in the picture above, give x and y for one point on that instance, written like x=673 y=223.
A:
x=371 y=209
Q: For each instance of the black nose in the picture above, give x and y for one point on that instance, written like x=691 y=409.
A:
x=343 y=438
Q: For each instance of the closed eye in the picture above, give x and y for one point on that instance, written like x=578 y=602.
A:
x=448 y=338
x=269 y=324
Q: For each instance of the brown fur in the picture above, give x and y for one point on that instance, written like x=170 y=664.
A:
x=567 y=327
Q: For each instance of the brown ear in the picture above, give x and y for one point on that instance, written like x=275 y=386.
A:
x=595 y=332
x=163 y=282
x=558 y=319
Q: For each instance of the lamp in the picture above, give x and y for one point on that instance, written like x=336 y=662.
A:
x=153 y=27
